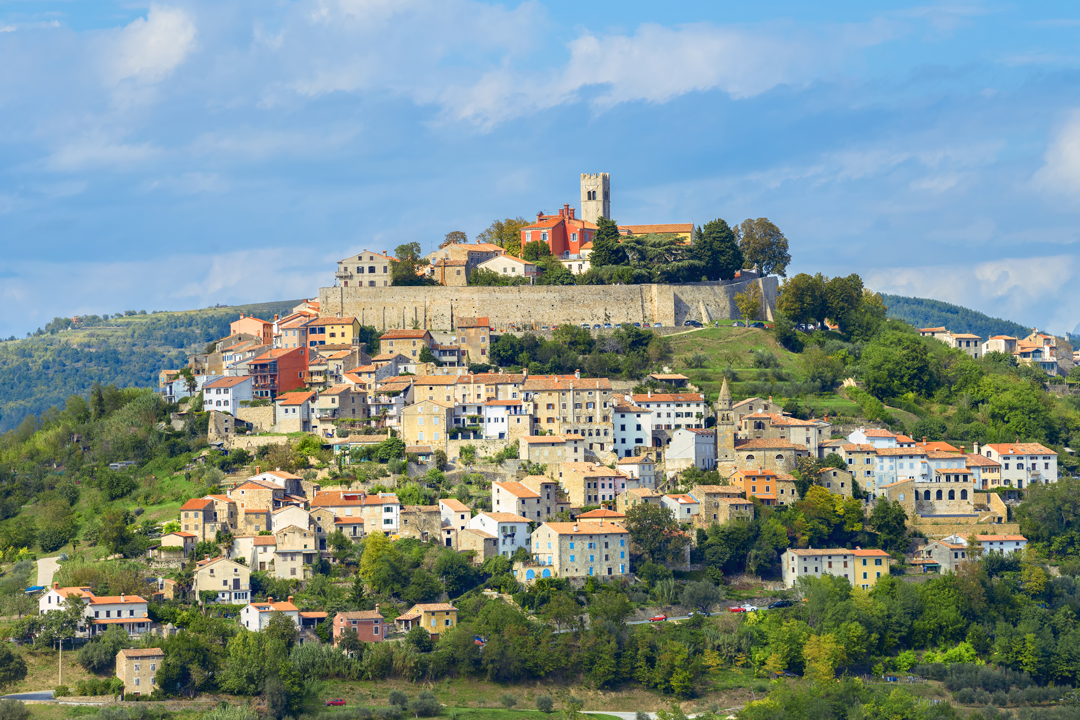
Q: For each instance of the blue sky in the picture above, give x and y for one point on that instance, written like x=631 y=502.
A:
x=181 y=154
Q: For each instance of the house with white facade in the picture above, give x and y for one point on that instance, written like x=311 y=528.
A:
x=510 y=530
x=633 y=428
x=1023 y=464
x=693 y=447
x=685 y=507
x=672 y=411
x=1004 y=544
x=256 y=616
x=873 y=436
x=504 y=419
x=639 y=469
x=896 y=463
x=128 y=611
x=226 y=394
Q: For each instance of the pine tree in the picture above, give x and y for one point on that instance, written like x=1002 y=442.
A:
x=606 y=248
x=715 y=247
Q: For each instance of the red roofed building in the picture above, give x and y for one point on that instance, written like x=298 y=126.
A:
x=564 y=233
x=278 y=371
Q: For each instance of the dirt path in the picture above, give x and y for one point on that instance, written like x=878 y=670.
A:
x=46 y=568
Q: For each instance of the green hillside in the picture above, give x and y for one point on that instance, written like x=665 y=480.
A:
x=924 y=312
x=42 y=371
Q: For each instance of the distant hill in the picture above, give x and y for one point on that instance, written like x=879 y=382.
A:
x=42 y=371
x=923 y=312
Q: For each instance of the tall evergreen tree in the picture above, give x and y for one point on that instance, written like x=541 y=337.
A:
x=606 y=248
x=716 y=248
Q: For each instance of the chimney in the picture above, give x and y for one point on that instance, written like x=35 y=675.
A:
x=571 y=213
x=290 y=598
x=650 y=392
x=56 y=586
x=575 y=527
x=539 y=216
x=121 y=597
x=975 y=448
x=577 y=374
x=270 y=600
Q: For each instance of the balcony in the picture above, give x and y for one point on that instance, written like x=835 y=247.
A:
x=343 y=275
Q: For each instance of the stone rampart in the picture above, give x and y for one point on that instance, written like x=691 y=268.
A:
x=438 y=308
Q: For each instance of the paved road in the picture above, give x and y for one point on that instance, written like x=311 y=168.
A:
x=43 y=695
x=46 y=568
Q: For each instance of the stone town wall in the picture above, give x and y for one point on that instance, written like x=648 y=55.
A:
x=262 y=417
x=941 y=529
x=437 y=308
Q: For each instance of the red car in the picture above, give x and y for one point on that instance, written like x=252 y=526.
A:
x=335 y=701
x=658 y=618
x=743 y=608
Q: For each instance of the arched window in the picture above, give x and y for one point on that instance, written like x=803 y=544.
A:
x=952 y=494
x=780 y=458
x=529 y=574
x=963 y=494
x=938 y=494
x=749 y=458
x=926 y=495
x=546 y=573
x=758 y=425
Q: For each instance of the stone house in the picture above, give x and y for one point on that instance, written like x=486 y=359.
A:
x=862 y=568
x=137 y=668
x=294 y=412
x=570 y=400
x=380 y=512
x=423 y=522
x=720 y=504
x=837 y=482
x=434 y=617
x=860 y=460
x=474 y=336
x=339 y=402
x=582 y=549
x=427 y=422
x=296 y=550
x=197 y=518
x=482 y=544
x=636 y=496
x=406 y=342
x=365 y=269
x=177 y=545
x=551 y=450
x=640 y=471
x=289 y=515
x=590 y=483
x=768 y=454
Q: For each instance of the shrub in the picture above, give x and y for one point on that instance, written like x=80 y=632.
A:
x=545 y=704
x=508 y=701
x=424 y=705
x=398 y=698
x=61 y=691
x=13 y=710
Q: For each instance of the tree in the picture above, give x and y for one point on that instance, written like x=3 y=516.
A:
x=419 y=639
x=398 y=699
x=606 y=249
x=822 y=654
x=508 y=700
x=535 y=251
x=454 y=237
x=655 y=533
x=764 y=246
x=701 y=595
x=749 y=302
x=545 y=704
x=441 y=461
x=889 y=521
x=609 y=606
x=426 y=356
x=380 y=564
x=717 y=250
x=504 y=233
x=842 y=298
x=114 y=533
x=405 y=268
x=802 y=298
x=281 y=630
x=894 y=364
x=12 y=666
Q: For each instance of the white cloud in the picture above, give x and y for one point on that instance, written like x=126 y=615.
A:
x=1060 y=172
x=149 y=49
x=96 y=152
x=1018 y=289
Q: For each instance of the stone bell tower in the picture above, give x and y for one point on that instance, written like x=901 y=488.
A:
x=595 y=196
x=726 y=459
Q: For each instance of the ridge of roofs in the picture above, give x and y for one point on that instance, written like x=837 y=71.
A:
x=295 y=398
x=585 y=528
x=517 y=489
x=565 y=382
x=330 y=320
x=227 y=382
x=404 y=334
x=1020 y=449
x=668 y=397
x=455 y=505
x=196 y=504
x=659 y=228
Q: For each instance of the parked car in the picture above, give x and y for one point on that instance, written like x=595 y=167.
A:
x=607 y=326
x=335 y=702
x=585 y=325
x=743 y=608
x=658 y=618
x=691 y=323
x=637 y=325
x=658 y=324
x=597 y=326
x=780 y=604
x=737 y=324
x=757 y=325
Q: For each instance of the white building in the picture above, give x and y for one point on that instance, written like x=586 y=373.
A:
x=226 y=394
x=633 y=428
x=516 y=499
x=684 y=506
x=1004 y=544
x=640 y=470
x=511 y=531
x=874 y=436
x=691 y=448
x=127 y=611
x=672 y=411
x=895 y=463
x=503 y=418
x=256 y=616
x=1023 y=464
x=454 y=514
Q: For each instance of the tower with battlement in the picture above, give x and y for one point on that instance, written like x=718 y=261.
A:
x=725 y=433
x=595 y=196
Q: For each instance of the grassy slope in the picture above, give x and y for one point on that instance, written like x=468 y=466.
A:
x=728 y=346
x=40 y=372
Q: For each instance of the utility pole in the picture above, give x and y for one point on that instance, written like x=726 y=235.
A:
x=60 y=665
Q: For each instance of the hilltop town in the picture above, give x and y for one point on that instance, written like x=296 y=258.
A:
x=386 y=483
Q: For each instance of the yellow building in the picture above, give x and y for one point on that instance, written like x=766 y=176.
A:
x=333 y=331
x=862 y=568
x=436 y=618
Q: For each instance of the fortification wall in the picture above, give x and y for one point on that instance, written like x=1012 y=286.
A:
x=437 y=308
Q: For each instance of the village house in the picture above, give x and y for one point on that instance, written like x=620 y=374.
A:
x=137 y=669
x=227 y=393
x=338 y=403
x=369 y=625
x=640 y=471
x=511 y=530
x=684 y=507
x=776 y=455
x=427 y=421
x=474 y=337
x=837 y=482
x=672 y=411
x=406 y=342
x=296 y=550
x=436 y=618
x=1022 y=464
x=256 y=616
x=128 y=611
x=632 y=429
x=176 y=545
x=551 y=450
x=510 y=266
x=365 y=269
x=691 y=448
x=278 y=371
x=229 y=580
x=558 y=400
x=423 y=522
x=590 y=483
x=253 y=326
x=294 y=412
x=380 y=512
x=760 y=484
x=636 y=496
x=564 y=233
x=581 y=549
x=862 y=568
x=720 y=504
x=328 y=330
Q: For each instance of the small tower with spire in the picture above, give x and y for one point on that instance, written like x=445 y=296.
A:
x=725 y=432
